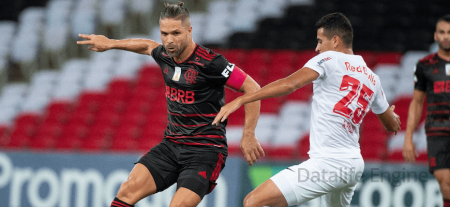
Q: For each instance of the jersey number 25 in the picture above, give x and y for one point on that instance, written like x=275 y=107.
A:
x=357 y=90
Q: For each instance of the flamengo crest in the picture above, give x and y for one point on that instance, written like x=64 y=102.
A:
x=191 y=76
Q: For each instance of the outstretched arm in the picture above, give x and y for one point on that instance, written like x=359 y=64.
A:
x=414 y=113
x=390 y=120
x=100 y=43
x=249 y=143
x=277 y=88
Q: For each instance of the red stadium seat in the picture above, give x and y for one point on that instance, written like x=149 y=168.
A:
x=69 y=142
x=281 y=152
x=271 y=105
x=303 y=147
x=369 y=57
x=146 y=143
x=303 y=94
x=389 y=58
x=303 y=57
x=89 y=101
x=43 y=142
x=284 y=57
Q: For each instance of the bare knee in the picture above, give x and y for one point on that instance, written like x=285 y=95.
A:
x=250 y=201
x=184 y=203
x=127 y=191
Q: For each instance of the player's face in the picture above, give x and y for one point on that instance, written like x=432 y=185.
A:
x=323 y=43
x=174 y=36
x=442 y=35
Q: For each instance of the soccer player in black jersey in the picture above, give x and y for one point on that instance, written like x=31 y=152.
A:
x=193 y=151
x=432 y=79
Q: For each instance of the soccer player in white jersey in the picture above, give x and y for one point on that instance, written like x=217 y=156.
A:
x=344 y=91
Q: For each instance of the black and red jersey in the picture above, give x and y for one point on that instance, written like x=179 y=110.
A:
x=432 y=75
x=194 y=91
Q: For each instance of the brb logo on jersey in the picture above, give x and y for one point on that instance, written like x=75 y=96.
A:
x=191 y=76
x=323 y=60
x=226 y=73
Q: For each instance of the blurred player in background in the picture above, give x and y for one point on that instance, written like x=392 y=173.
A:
x=344 y=91
x=193 y=151
x=432 y=79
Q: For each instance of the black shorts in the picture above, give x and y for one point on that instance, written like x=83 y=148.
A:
x=193 y=167
x=438 y=153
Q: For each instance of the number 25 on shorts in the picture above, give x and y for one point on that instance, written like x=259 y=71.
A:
x=357 y=90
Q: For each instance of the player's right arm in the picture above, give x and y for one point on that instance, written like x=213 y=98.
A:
x=390 y=120
x=414 y=113
x=100 y=43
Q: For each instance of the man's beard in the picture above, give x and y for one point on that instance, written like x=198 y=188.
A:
x=442 y=47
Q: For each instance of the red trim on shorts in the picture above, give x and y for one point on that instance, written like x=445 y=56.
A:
x=216 y=171
x=195 y=143
x=236 y=79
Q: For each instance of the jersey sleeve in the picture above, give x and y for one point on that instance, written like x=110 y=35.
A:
x=419 y=79
x=322 y=64
x=157 y=53
x=222 y=72
x=379 y=104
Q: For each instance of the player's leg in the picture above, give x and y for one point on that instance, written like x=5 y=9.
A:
x=443 y=178
x=185 y=198
x=139 y=185
x=198 y=175
x=439 y=164
x=154 y=172
x=342 y=196
x=267 y=194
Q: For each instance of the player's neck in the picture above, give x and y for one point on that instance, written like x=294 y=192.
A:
x=445 y=55
x=345 y=50
x=186 y=53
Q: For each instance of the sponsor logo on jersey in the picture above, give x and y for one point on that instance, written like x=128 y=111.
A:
x=226 y=73
x=324 y=60
x=436 y=71
x=191 y=76
x=180 y=96
x=447 y=69
x=441 y=86
x=197 y=59
x=177 y=74
x=360 y=69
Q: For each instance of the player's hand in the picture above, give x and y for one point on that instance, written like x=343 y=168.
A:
x=409 y=151
x=397 y=119
x=226 y=110
x=251 y=148
x=99 y=43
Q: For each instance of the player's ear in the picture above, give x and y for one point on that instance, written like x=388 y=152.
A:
x=335 y=40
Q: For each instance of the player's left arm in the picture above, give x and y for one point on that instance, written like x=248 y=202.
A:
x=249 y=143
x=277 y=88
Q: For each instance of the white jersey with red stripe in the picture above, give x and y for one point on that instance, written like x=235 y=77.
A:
x=343 y=93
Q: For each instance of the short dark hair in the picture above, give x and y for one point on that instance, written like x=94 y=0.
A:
x=445 y=18
x=175 y=11
x=336 y=24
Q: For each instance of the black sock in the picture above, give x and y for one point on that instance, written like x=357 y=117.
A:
x=118 y=203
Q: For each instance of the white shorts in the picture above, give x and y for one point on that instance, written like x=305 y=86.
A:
x=333 y=179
